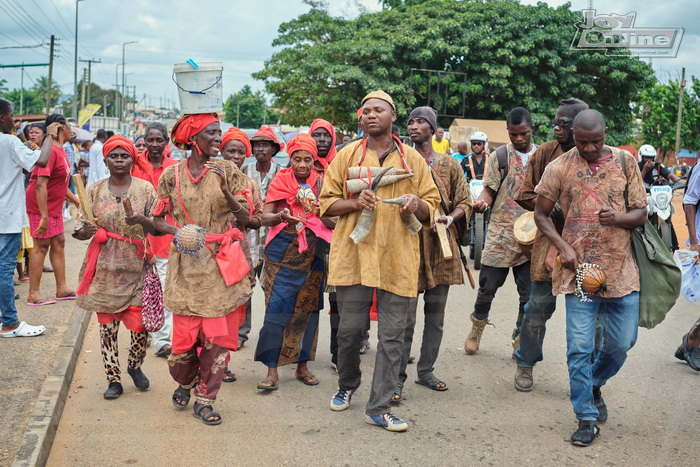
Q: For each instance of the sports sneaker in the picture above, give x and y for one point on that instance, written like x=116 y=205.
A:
x=587 y=431
x=600 y=405
x=523 y=378
x=341 y=400
x=388 y=421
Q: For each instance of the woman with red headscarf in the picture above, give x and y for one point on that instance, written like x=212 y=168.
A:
x=207 y=278
x=111 y=278
x=293 y=272
x=235 y=147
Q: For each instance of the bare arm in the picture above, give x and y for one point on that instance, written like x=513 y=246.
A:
x=485 y=199
x=366 y=200
x=626 y=220
x=567 y=255
x=72 y=198
x=162 y=226
x=42 y=200
x=691 y=211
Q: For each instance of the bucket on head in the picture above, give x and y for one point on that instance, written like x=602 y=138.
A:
x=199 y=87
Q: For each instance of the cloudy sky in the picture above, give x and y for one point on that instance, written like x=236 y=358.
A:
x=236 y=32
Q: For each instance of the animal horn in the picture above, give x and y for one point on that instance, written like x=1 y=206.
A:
x=362 y=172
x=411 y=222
x=358 y=184
x=364 y=225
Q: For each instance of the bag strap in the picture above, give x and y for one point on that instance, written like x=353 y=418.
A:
x=624 y=171
x=502 y=156
x=179 y=196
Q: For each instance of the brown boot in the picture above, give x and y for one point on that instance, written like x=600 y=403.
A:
x=471 y=345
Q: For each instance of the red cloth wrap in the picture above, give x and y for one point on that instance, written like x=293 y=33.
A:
x=131 y=317
x=222 y=331
x=188 y=126
x=226 y=238
x=265 y=133
x=302 y=142
x=93 y=253
x=162 y=205
x=285 y=187
x=326 y=125
x=141 y=160
x=234 y=134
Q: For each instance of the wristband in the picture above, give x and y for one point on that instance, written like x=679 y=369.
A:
x=450 y=220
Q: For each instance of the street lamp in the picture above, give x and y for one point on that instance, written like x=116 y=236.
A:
x=74 y=113
x=121 y=115
x=116 y=91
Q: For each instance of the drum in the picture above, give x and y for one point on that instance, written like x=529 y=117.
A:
x=524 y=231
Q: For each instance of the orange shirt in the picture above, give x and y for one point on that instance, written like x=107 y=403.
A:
x=159 y=244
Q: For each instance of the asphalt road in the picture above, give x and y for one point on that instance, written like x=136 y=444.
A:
x=481 y=420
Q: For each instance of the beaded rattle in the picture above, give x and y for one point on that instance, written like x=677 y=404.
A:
x=590 y=280
x=190 y=239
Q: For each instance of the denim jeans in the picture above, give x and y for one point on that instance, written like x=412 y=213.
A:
x=9 y=248
x=618 y=320
x=537 y=312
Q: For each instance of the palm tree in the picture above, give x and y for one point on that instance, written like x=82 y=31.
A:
x=41 y=85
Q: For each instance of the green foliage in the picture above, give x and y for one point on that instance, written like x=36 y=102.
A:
x=34 y=102
x=34 y=98
x=97 y=95
x=512 y=55
x=249 y=109
x=658 y=109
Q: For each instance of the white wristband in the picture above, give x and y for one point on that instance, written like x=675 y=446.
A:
x=450 y=220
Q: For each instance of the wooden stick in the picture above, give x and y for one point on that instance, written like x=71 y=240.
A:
x=128 y=210
x=442 y=236
x=85 y=205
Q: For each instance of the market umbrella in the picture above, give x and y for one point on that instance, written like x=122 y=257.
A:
x=81 y=134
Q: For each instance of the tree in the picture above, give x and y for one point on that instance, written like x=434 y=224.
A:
x=33 y=101
x=41 y=86
x=249 y=109
x=97 y=95
x=658 y=110
x=3 y=86
x=512 y=55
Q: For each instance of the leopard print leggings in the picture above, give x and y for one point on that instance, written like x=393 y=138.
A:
x=110 y=350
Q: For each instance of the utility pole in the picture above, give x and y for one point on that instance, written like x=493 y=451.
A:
x=104 y=105
x=238 y=115
x=90 y=62
x=21 y=92
x=82 y=91
x=680 y=115
x=48 y=91
x=121 y=114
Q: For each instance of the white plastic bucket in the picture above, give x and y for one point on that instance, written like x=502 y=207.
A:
x=199 y=89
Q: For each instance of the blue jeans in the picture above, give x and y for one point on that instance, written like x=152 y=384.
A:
x=537 y=311
x=9 y=248
x=618 y=319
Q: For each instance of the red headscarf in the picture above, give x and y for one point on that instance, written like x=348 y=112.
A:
x=265 y=133
x=326 y=125
x=188 y=126
x=117 y=141
x=234 y=134
x=303 y=142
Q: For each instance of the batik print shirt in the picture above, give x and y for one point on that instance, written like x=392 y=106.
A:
x=569 y=181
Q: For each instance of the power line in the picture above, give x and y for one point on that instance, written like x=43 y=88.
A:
x=32 y=22
x=14 y=16
x=61 y=17
x=47 y=17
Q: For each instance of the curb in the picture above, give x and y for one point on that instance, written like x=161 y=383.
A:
x=38 y=437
